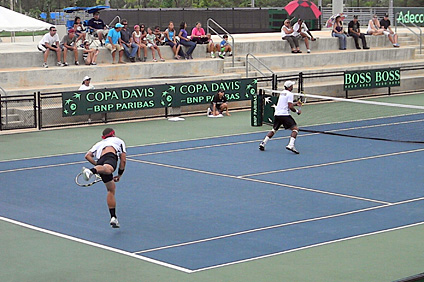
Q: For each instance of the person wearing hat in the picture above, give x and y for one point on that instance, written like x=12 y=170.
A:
x=387 y=30
x=98 y=27
x=69 y=42
x=282 y=117
x=114 y=42
x=301 y=31
x=86 y=84
x=355 y=31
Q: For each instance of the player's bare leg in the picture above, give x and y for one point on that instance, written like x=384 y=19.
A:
x=267 y=137
x=111 y=203
x=293 y=136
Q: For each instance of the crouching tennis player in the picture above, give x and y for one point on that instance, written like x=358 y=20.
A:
x=283 y=117
x=107 y=152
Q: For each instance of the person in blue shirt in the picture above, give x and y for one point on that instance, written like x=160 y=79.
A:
x=114 y=43
x=224 y=47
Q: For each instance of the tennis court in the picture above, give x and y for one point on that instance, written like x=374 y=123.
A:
x=199 y=201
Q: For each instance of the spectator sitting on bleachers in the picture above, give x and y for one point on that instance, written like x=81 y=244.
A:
x=355 y=32
x=224 y=47
x=127 y=42
x=287 y=33
x=69 y=42
x=338 y=32
x=89 y=54
x=160 y=37
x=114 y=43
x=98 y=26
x=374 y=26
x=387 y=30
x=50 y=41
x=171 y=40
x=301 y=31
x=137 y=37
x=79 y=29
x=199 y=36
x=185 y=41
x=150 y=39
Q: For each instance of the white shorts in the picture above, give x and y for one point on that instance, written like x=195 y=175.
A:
x=388 y=33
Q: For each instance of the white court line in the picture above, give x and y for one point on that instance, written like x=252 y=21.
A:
x=277 y=226
x=104 y=247
x=261 y=181
x=333 y=163
x=308 y=247
x=137 y=146
x=40 y=167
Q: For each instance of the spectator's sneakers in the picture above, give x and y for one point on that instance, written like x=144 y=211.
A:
x=212 y=55
x=396 y=45
x=221 y=55
x=308 y=51
x=45 y=65
x=230 y=54
x=93 y=63
x=59 y=64
x=76 y=63
x=65 y=64
x=132 y=59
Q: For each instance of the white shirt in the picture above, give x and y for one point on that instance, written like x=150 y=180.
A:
x=285 y=32
x=85 y=87
x=282 y=108
x=304 y=28
x=114 y=142
x=47 y=38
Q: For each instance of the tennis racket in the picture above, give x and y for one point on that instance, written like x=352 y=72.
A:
x=80 y=181
x=302 y=100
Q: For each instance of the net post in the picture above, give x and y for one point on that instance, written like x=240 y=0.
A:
x=346 y=94
x=390 y=91
x=35 y=109
x=1 y=121
x=39 y=110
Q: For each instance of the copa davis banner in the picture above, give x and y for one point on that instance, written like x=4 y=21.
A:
x=155 y=96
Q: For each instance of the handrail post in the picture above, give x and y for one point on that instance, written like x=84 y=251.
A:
x=208 y=28
x=247 y=65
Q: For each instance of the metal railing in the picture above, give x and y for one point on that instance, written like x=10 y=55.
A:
x=248 y=63
x=209 y=27
x=3 y=93
x=420 y=37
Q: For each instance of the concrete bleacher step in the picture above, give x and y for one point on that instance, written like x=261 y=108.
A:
x=41 y=78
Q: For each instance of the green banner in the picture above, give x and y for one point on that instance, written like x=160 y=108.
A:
x=256 y=110
x=364 y=79
x=409 y=16
x=195 y=93
x=156 y=96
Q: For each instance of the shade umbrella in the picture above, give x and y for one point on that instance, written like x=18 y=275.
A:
x=332 y=19
x=303 y=9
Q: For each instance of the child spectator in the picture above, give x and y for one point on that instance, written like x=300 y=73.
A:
x=69 y=42
x=160 y=38
x=224 y=47
x=150 y=38
x=89 y=54
x=185 y=41
x=170 y=39
x=79 y=29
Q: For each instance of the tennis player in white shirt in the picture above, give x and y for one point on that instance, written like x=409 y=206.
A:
x=107 y=153
x=283 y=117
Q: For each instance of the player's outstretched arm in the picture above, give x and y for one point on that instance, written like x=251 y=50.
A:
x=90 y=157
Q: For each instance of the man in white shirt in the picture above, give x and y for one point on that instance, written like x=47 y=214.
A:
x=50 y=41
x=107 y=153
x=283 y=117
x=301 y=31
x=86 y=84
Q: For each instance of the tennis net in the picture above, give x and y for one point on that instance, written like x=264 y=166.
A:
x=390 y=118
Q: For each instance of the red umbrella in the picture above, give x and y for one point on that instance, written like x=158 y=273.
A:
x=303 y=9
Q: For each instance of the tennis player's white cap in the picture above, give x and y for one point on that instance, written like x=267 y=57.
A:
x=86 y=78
x=289 y=83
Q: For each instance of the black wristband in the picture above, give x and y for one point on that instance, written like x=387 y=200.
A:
x=121 y=171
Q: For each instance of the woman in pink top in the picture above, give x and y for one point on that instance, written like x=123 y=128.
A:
x=199 y=36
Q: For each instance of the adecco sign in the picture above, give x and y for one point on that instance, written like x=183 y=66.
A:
x=409 y=16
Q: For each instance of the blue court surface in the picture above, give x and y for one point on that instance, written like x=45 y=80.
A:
x=199 y=204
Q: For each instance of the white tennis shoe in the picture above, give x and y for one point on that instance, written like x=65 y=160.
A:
x=292 y=148
x=86 y=173
x=114 y=222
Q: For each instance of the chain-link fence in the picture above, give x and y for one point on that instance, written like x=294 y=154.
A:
x=18 y=112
